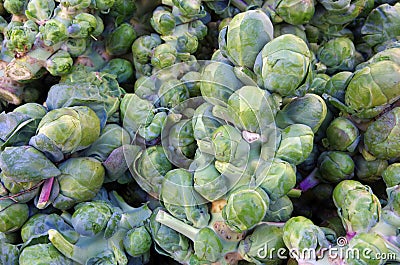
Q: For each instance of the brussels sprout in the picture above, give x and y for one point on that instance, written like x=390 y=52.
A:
x=137 y=241
x=151 y=167
x=337 y=55
x=59 y=63
x=34 y=231
x=181 y=145
x=391 y=212
x=382 y=138
x=229 y=145
x=295 y=12
x=245 y=36
x=90 y=218
x=190 y=8
x=120 y=40
x=164 y=56
x=39 y=11
x=337 y=84
x=192 y=82
x=369 y=171
x=25 y=163
x=299 y=234
x=167 y=241
x=357 y=206
x=309 y=110
x=276 y=177
x=283 y=28
x=80 y=180
x=53 y=32
x=198 y=29
x=218 y=83
x=20 y=37
x=9 y=254
x=41 y=254
x=342 y=135
x=245 y=208
x=391 y=175
x=121 y=68
x=335 y=166
x=279 y=210
x=372 y=88
x=283 y=65
x=204 y=122
x=66 y=130
x=12 y=215
x=181 y=200
x=296 y=144
x=265 y=237
x=163 y=21
x=172 y=93
x=250 y=108
x=382 y=24
x=143 y=46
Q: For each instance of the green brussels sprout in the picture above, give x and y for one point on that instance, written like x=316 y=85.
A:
x=163 y=21
x=283 y=65
x=53 y=32
x=279 y=210
x=390 y=54
x=151 y=167
x=341 y=12
x=168 y=241
x=337 y=55
x=90 y=218
x=164 y=56
x=181 y=200
x=309 y=110
x=245 y=36
x=120 y=40
x=172 y=93
x=375 y=245
x=369 y=171
x=190 y=8
x=111 y=137
x=192 y=82
x=22 y=192
x=382 y=138
x=372 y=88
x=155 y=128
x=296 y=143
x=250 y=108
x=181 y=144
x=135 y=113
x=66 y=130
x=391 y=212
x=206 y=243
x=198 y=29
x=59 y=63
x=80 y=180
x=137 y=241
x=295 y=12
x=14 y=7
x=299 y=234
x=217 y=56
x=9 y=254
x=245 y=208
x=311 y=162
x=34 y=231
x=41 y=254
x=276 y=177
x=142 y=47
x=229 y=145
x=264 y=237
x=358 y=207
x=342 y=135
x=204 y=122
x=381 y=25
x=335 y=166
x=25 y=163
x=12 y=215
x=318 y=83
x=17 y=127
x=104 y=5
x=218 y=83
x=82 y=26
x=391 y=175
x=20 y=37
x=283 y=28
x=121 y=68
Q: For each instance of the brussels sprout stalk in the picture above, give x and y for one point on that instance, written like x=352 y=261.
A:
x=310 y=181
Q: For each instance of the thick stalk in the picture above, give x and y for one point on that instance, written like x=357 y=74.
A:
x=310 y=181
x=177 y=225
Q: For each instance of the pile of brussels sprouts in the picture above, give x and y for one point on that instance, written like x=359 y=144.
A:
x=194 y=132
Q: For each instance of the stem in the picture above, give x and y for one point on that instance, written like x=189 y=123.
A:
x=240 y=4
x=60 y=243
x=294 y=193
x=276 y=224
x=310 y=181
x=177 y=225
x=45 y=193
